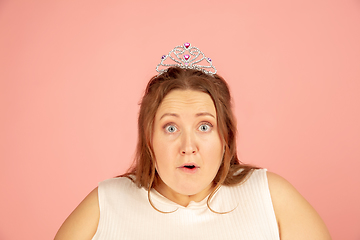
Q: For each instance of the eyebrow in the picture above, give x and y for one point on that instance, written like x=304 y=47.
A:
x=177 y=115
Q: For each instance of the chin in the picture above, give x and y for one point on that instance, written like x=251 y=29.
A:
x=191 y=191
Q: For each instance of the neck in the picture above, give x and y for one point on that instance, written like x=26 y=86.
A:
x=181 y=199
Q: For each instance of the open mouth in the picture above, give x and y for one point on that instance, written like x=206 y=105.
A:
x=189 y=166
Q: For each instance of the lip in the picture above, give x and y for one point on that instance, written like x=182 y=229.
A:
x=189 y=164
x=184 y=169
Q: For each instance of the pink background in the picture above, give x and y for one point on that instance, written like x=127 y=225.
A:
x=72 y=74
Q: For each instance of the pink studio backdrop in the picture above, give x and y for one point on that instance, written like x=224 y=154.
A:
x=72 y=74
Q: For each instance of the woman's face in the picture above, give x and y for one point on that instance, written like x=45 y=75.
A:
x=187 y=145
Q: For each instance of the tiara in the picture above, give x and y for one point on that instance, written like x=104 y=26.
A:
x=188 y=57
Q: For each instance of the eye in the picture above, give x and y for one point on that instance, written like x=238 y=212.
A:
x=205 y=127
x=170 y=128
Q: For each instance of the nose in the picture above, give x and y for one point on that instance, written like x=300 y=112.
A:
x=188 y=144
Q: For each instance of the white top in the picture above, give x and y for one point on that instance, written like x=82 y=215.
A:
x=125 y=213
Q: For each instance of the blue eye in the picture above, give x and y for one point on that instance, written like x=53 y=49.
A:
x=204 y=127
x=170 y=128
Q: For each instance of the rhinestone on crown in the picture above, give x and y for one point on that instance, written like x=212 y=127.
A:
x=186 y=56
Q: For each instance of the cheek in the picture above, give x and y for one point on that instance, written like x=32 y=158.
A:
x=214 y=153
x=214 y=146
x=163 y=152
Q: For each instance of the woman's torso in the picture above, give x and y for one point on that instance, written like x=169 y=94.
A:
x=125 y=213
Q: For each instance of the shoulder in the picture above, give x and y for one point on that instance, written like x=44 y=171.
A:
x=116 y=182
x=113 y=188
x=297 y=219
x=83 y=221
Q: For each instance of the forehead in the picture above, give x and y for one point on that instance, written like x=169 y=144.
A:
x=187 y=101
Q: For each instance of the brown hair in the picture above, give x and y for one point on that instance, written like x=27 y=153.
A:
x=187 y=79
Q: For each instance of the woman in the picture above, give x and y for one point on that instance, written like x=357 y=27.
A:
x=186 y=181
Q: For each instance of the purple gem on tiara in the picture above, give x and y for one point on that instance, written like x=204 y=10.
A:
x=209 y=59
x=187 y=45
x=186 y=57
x=163 y=57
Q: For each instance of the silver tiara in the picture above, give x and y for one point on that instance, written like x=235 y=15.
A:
x=186 y=56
